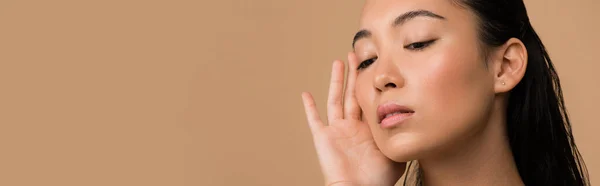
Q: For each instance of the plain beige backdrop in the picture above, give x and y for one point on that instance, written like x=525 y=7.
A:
x=181 y=92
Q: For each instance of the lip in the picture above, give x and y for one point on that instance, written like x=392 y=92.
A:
x=396 y=119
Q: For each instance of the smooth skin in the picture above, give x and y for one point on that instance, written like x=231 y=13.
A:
x=436 y=67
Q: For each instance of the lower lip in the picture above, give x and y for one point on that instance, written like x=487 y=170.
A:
x=394 y=120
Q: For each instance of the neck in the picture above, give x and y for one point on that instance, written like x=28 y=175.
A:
x=486 y=159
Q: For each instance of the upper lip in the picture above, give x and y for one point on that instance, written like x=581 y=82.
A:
x=389 y=107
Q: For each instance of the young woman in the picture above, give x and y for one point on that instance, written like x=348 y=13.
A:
x=463 y=87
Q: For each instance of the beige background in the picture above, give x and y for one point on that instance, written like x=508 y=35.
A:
x=179 y=92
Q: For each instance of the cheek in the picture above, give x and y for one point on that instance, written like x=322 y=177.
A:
x=455 y=94
x=363 y=93
x=451 y=78
x=456 y=76
x=367 y=98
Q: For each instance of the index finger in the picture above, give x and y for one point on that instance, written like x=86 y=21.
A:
x=351 y=107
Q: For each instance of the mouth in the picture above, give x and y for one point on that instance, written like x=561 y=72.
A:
x=391 y=114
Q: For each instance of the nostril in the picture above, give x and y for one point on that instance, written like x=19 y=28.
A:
x=390 y=85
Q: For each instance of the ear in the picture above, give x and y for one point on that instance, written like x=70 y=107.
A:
x=509 y=65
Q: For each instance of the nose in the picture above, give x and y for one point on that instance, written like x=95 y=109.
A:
x=387 y=76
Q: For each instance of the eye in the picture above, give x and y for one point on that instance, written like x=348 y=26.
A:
x=366 y=63
x=419 y=45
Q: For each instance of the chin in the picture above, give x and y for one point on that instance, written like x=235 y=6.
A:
x=402 y=147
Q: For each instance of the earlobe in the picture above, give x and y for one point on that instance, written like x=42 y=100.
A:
x=512 y=66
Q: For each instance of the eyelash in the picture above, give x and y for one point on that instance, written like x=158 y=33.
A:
x=417 y=46
x=366 y=63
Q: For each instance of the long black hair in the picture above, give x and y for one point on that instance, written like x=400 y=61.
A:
x=538 y=127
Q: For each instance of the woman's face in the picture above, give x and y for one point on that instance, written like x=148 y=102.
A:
x=421 y=58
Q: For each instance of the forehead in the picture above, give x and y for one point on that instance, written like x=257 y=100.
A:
x=377 y=13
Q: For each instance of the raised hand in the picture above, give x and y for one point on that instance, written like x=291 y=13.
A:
x=346 y=150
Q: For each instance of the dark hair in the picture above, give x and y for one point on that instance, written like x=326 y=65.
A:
x=538 y=127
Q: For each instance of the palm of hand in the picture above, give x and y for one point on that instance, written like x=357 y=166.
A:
x=351 y=146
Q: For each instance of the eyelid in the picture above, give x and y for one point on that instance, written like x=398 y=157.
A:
x=363 y=64
x=426 y=43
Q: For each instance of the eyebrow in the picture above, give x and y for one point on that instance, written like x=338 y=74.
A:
x=403 y=18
